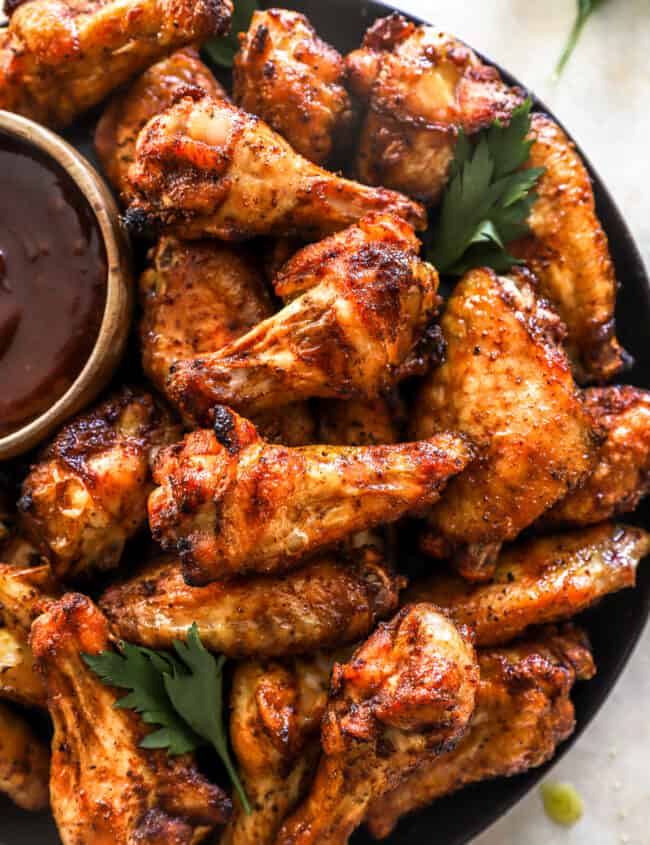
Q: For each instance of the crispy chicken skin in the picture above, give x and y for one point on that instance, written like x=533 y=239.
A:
x=230 y=503
x=24 y=762
x=420 y=87
x=197 y=297
x=59 y=58
x=621 y=477
x=374 y=240
x=569 y=254
x=87 y=495
x=24 y=594
x=357 y=332
x=404 y=696
x=541 y=580
x=128 y=111
x=286 y=75
x=104 y=787
x=523 y=712
x=332 y=600
x=369 y=422
x=205 y=168
x=275 y=729
x=506 y=384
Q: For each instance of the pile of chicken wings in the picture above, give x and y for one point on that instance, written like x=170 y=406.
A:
x=308 y=406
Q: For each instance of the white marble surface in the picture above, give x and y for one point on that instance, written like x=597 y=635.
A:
x=604 y=98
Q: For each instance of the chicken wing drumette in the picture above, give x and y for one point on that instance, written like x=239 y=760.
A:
x=23 y=595
x=24 y=762
x=405 y=695
x=364 y=326
x=621 y=477
x=87 y=495
x=569 y=254
x=285 y=74
x=128 y=111
x=506 y=384
x=523 y=712
x=277 y=710
x=420 y=86
x=60 y=57
x=205 y=168
x=229 y=503
x=332 y=600
x=541 y=580
x=198 y=297
x=104 y=787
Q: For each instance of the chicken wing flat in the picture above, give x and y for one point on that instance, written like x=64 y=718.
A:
x=506 y=383
x=104 y=787
x=405 y=695
x=277 y=710
x=376 y=239
x=59 y=58
x=621 y=477
x=196 y=298
x=523 y=712
x=128 y=111
x=357 y=422
x=330 y=601
x=569 y=254
x=24 y=762
x=23 y=595
x=205 y=168
x=353 y=335
x=542 y=580
x=420 y=86
x=87 y=495
x=286 y=75
x=229 y=503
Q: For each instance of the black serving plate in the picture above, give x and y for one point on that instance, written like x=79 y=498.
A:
x=615 y=625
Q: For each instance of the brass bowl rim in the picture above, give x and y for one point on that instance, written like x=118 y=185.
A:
x=111 y=338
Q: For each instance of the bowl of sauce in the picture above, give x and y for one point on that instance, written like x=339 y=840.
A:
x=65 y=283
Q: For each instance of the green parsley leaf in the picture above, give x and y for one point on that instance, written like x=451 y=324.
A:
x=181 y=693
x=198 y=696
x=488 y=198
x=585 y=10
x=222 y=51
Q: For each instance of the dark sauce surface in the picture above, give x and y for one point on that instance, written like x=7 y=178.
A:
x=53 y=279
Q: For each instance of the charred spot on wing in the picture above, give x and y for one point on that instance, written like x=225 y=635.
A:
x=223 y=424
x=139 y=224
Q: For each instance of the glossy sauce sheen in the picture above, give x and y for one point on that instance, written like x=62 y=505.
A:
x=53 y=278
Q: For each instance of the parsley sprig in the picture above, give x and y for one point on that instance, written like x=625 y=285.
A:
x=585 y=10
x=222 y=51
x=181 y=693
x=488 y=199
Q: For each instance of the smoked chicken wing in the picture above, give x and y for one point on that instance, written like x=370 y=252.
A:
x=541 y=580
x=506 y=384
x=128 y=111
x=104 y=788
x=523 y=712
x=621 y=477
x=420 y=86
x=59 y=58
x=24 y=762
x=362 y=328
x=196 y=298
x=568 y=252
x=230 y=503
x=286 y=75
x=205 y=168
x=88 y=493
x=332 y=600
x=23 y=595
x=406 y=695
x=277 y=710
